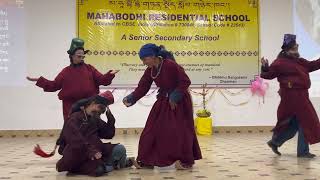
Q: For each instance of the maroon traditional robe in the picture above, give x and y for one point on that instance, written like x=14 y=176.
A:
x=293 y=77
x=75 y=82
x=82 y=140
x=169 y=135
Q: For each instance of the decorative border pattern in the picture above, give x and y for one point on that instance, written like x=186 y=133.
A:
x=177 y=53
x=130 y=131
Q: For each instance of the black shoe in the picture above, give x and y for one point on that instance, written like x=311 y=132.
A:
x=100 y=171
x=273 y=147
x=307 y=155
x=141 y=165
x=130 y=162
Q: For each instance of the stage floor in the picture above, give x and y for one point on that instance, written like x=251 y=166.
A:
x=226 y=156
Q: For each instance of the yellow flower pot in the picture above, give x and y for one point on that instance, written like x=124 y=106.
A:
x=203 y=125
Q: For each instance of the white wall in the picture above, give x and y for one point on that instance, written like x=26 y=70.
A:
x=52 y=24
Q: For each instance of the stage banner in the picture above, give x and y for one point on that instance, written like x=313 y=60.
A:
x=216 y=41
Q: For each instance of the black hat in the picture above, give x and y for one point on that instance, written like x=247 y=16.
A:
x=289 y=40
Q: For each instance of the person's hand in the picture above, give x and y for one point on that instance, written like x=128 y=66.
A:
x=173 y=105
x=98 y=155
x=32 y=79
x=114 y=71
x=125 y=102
x=107 y=111
x=264 y=62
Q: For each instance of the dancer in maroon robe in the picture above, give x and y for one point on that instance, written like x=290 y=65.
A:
x=83 y=152
x=295 y=112
x=77 y=81
x=169 y=134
